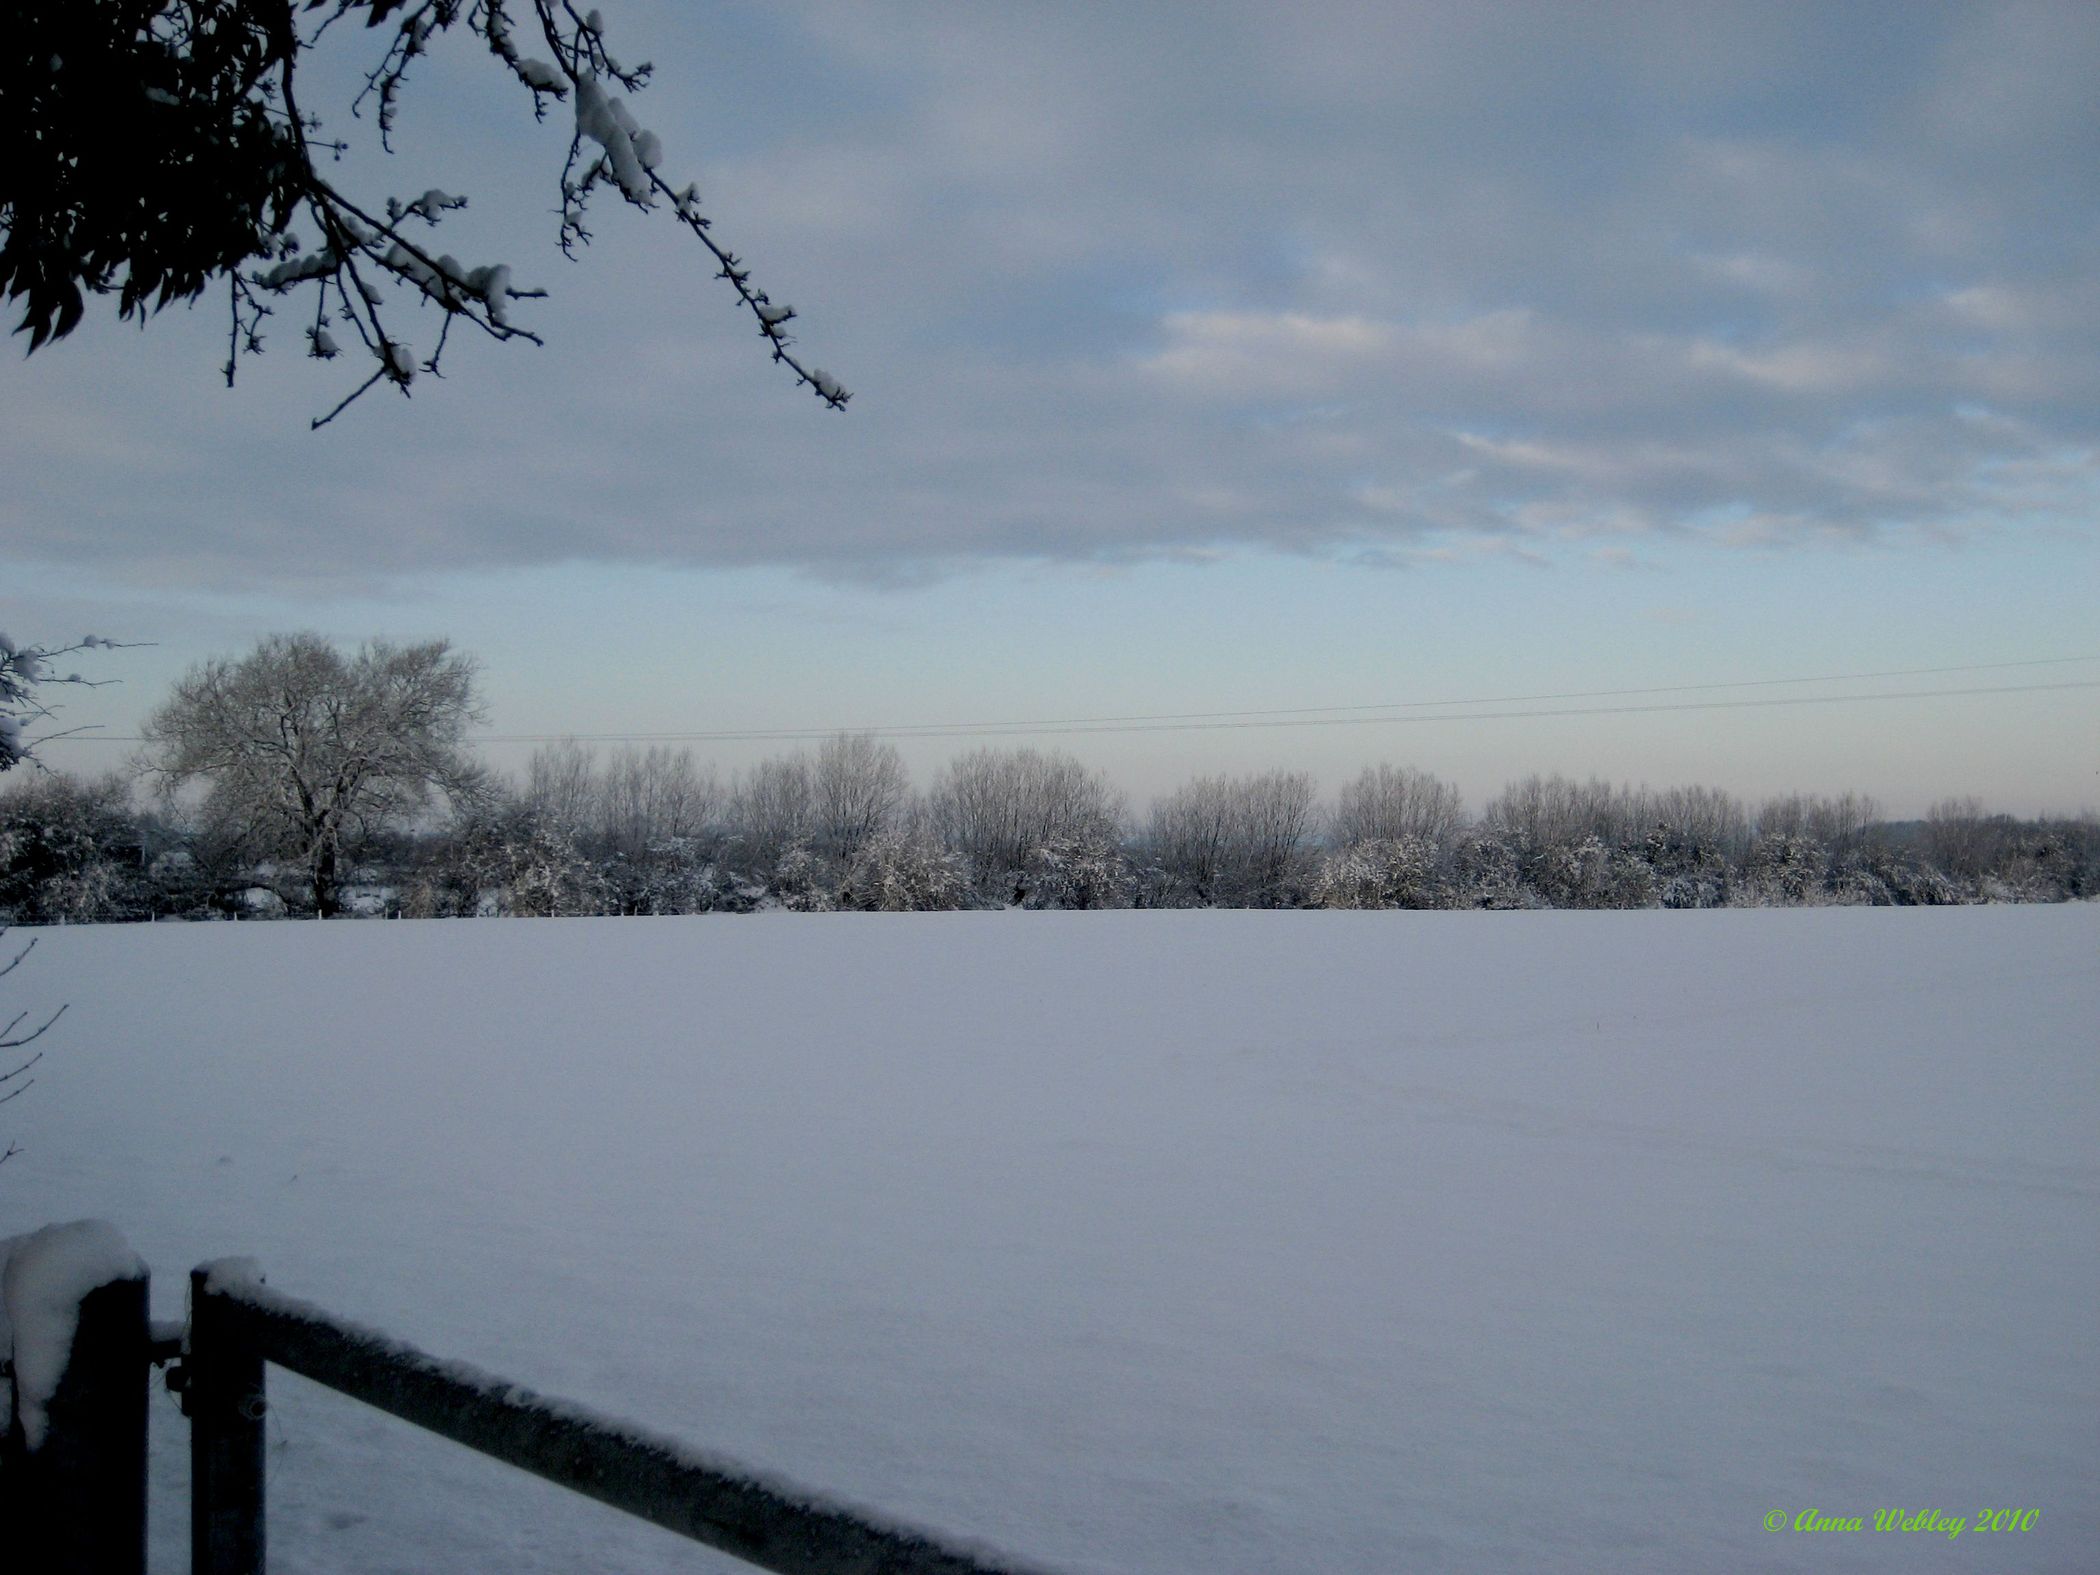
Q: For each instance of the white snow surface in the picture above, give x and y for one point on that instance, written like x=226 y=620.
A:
x=1142 y=1242
x=43 y=1276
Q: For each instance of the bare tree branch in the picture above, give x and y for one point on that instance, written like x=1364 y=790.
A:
x=210 y=91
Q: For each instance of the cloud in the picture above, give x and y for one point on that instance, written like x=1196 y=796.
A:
x=1421 y=281
x=1264 y=355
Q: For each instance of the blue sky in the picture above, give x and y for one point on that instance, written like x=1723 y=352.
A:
x=1208 y=359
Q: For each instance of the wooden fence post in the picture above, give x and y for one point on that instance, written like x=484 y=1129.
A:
x=225 y=1399
x=77 y=1501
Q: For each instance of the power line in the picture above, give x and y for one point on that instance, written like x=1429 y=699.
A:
x=1411 y=705
x=1301 y=716
x=1131 y=723
x=1053 y=731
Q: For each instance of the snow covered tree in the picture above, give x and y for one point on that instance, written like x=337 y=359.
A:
x=772 y=810
x=1838 y=823
x=803 y=882
x=1078 y=873
x=649 y=797
x=69 y=850
x=1380 y=872
x=2044 y=860
x=1784 y=866
x=1486 y=872
x=647 y=820
x=1878 y=875
x=653 y=830
x=1538 y=814
x=1592 y=873
x=1695 y=842
x=1237 y=841
x=904 y=869
x=561 y=784
x=997 y=806
x=857 y=786
x=303 y=751
x=160 y=148
x=507 y=856
x=1389 y=803
x=1960 y=837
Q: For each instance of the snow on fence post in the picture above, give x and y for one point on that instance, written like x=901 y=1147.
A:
x=73 y=1466
x=225 y=1400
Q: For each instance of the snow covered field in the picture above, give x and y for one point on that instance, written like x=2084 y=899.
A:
x=1153 y=1242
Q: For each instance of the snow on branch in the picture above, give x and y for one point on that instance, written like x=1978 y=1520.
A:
x=210 y=90
x=27 y=673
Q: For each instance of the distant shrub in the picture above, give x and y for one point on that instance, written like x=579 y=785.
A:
x=1380 y=872
x=897 y=872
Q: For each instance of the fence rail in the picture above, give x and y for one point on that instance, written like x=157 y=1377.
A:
x=79 y=1498
x=238 y=1324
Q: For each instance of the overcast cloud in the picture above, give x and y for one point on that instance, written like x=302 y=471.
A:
x=1391 y=283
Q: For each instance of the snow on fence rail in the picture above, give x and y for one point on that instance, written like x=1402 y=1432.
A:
x=76 y=1493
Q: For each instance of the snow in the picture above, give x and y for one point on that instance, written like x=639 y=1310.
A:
x=492 y=284
x=297 y=270
x=433 y=203
x=540 y=75
x=43 y=1276
x=1157 y=1243
x=607 y=121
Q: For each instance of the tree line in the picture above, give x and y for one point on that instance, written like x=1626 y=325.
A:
x=840 y=827
x=303 y=779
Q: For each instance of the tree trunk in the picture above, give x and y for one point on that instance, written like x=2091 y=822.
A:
x=327 y=894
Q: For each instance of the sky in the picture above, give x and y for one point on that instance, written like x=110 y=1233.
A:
x=1217 y=364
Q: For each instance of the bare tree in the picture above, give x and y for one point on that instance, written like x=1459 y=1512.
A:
x=304 y=750
x=857 y=786
x=1960 y=837
x=903 y=868
x=649 y=798
x=1389 y=803
x=1708 y=819
x=1237 y=840
x=1189 y=837
x=1837 y=823
x=561 y=784
x=1535 y=813
x=14 y=1067
x=996 y=807
x=772 y=810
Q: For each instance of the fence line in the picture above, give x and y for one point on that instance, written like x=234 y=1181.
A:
x=76 y=1501
x=238 y=1324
